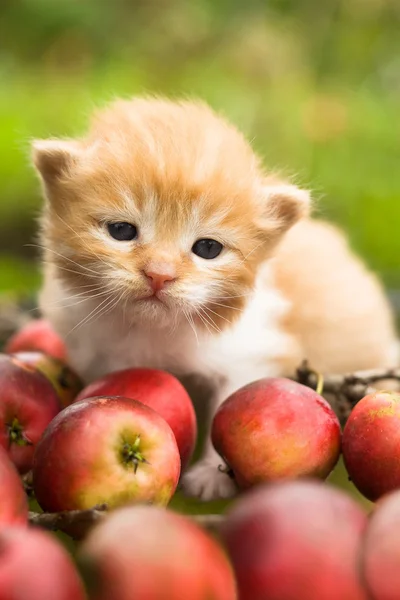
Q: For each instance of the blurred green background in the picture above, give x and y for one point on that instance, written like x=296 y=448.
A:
x=315 y=85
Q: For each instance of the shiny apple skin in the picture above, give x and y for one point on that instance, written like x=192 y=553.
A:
x=159 y=390
x=82 y=459
x=276 y=429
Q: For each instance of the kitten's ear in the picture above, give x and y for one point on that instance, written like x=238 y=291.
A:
x=283 y=205
x=54 y=158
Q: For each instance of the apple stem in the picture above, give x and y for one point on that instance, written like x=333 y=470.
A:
x=320 y=383
x=319 y=387
x=131 y=454
x=17 y=435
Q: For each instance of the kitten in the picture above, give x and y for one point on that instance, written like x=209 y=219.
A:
x=167 y=245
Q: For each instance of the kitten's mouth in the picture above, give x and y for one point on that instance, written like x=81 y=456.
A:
x=150 y=298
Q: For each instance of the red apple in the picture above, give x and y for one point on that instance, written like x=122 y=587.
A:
x=159 y=390
x=34 y=566
x=28 y=402
x=371 y=444
x=276 y=429
x=65 y=381
x=105 y=450
x=149 y=553
x=296 y=540
x=381 y=553
x=13 y=500
x=37 y=335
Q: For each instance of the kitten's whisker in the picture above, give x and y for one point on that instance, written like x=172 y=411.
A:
x=243 y=295
x=191 y=323
x=107 y=309
x=124 y=308
x=32 y=310
x=218 y=315
x=98 y=277
x=63 y=257
x=95 y=287
x=203 y=321
x=81 y=238
x=233 y=296
x=251 y=252
x=209 y=319
x=174 y=323
x=60 y=302
x=88 y=317
x=79 y=301
x=226 y=306
x=81 y=287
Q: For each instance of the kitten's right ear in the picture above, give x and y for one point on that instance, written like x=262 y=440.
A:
x=54 y=158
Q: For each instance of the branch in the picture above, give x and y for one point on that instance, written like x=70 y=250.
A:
x=77 y=523
x=348 y=389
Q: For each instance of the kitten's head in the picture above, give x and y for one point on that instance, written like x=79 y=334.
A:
x=165 y=206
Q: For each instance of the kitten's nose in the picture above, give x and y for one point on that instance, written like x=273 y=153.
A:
x=158 y=280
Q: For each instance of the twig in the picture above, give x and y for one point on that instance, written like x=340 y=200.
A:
x=348 y=389
x=77 y=523
x=27 y=483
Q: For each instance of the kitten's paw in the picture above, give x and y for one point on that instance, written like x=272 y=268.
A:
x=206 y=481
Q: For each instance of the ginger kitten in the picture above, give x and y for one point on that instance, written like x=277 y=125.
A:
x=168 y=245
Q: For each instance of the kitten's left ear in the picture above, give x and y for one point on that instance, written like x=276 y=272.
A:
x=283 y=205
x=55 y=158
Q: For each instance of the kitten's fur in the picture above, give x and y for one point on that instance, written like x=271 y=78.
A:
x=285 y=287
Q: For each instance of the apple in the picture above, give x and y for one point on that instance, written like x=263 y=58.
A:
x=28 y=402
x=159 y=390
x=111 y=450
x=371 y=444
x=296 y=540
x=381 y=554
x=276 y=429
x=13 y=500
x=65 y=381
x=34 y=566
x=39 y=335
x=149 y=553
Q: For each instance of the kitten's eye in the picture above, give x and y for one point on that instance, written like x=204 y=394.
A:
x=123 y=232
x=207 y=248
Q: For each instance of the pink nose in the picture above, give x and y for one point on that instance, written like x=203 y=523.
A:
x=158 y=280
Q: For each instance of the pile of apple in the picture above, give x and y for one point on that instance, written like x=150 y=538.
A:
x=124 y=441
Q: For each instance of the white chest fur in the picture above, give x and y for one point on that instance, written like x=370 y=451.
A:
x=240 y=353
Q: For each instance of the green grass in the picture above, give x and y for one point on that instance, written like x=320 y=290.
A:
x=313 y=84
x=18 y=277
x=341 y=143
